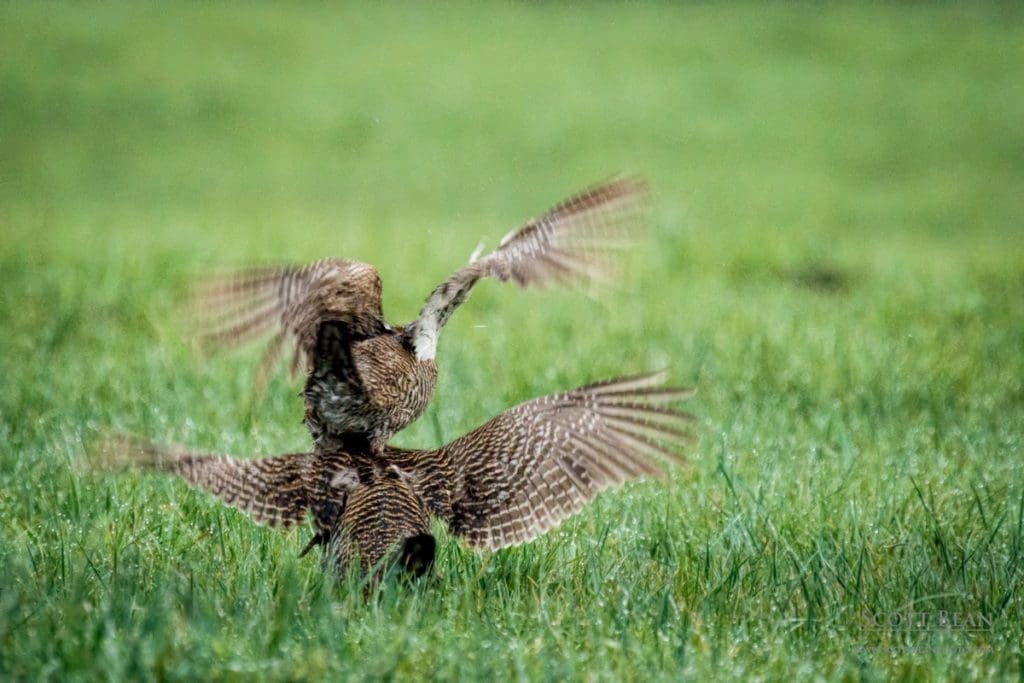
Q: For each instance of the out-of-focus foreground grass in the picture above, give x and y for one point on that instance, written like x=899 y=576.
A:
x=836 y=262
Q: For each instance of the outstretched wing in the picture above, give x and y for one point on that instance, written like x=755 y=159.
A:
x=291 y=302
x=273 y=491
x=534 y=465
x=574 y=242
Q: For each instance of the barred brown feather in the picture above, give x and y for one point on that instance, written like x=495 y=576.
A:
x=534 y=465
x=273 y=491
x=379 y=515
x=367 y=377
x=572 y=243
x=291 y=301
x=506 y=482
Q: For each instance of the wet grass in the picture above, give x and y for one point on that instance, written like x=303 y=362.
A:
x=836 y=263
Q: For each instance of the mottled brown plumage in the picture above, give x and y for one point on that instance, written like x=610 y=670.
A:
x=383 y=513
x=504 y=483
x=367 y=379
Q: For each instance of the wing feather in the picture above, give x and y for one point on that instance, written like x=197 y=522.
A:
x=273 y=491
x=575 y=242
x=290 y=302
x=531 y=467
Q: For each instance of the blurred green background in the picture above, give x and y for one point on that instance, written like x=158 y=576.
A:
x=836 y=262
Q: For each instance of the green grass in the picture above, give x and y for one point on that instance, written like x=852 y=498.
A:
x=837 y=263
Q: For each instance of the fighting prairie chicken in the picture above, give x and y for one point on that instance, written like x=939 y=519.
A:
x=367 y=379
x=502 y=484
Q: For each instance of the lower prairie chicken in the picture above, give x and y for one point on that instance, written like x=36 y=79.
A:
x=504 y=483
x=368 y=379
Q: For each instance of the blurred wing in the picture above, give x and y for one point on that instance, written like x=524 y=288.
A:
x=575 y=242
x=273 y=491
x=291 y=302
x=534 y=465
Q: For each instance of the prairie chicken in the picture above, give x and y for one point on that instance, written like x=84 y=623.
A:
x=367 y=379
x=504 y=483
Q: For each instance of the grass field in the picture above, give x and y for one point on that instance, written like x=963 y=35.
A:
x=836 y=262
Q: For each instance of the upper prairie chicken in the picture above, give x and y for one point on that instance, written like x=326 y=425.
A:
x=502 y=484
x=368 y=379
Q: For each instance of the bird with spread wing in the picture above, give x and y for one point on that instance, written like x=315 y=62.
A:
x=367 y=379
x=504 y=483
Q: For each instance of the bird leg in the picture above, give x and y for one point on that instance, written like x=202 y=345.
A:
x=319 y=538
